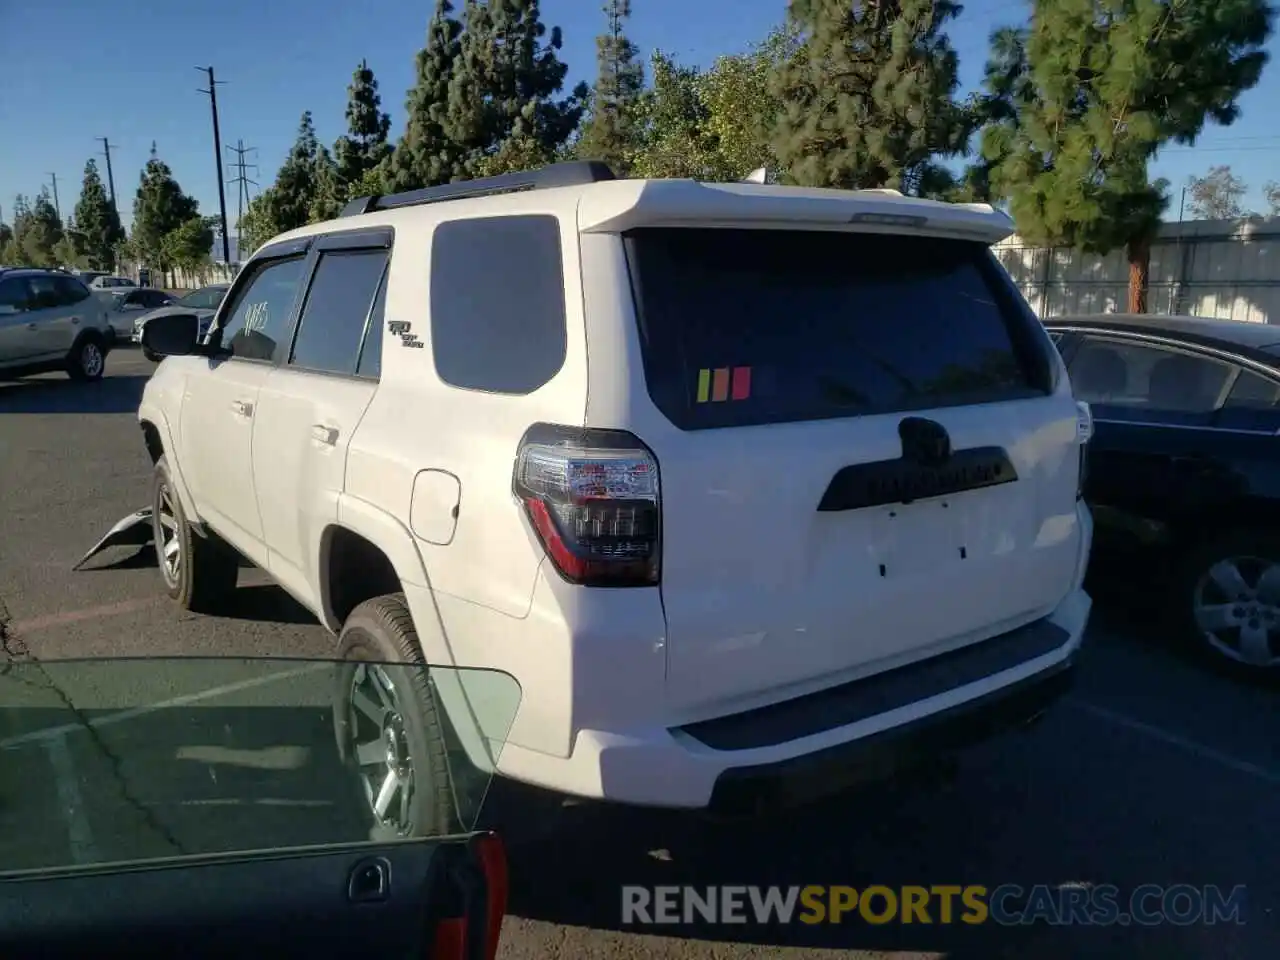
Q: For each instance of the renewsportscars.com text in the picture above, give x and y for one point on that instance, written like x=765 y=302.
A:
x=1008 y=904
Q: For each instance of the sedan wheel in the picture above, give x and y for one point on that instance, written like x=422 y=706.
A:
x=1236 y=606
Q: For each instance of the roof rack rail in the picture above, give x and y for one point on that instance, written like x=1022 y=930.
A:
x=571 y=173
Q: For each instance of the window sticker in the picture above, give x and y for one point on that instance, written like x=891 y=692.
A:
x=716 y=385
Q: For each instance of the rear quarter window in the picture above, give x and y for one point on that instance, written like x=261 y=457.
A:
x=497 y=303
x=745 y=327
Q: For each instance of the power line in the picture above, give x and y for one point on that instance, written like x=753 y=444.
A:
x=217 y=156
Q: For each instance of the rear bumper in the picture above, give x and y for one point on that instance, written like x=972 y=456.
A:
x=672 y=768
x=747 y=790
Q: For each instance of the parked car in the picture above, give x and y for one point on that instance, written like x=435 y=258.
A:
x=50 y=321
x=108 y=283
x=1184 y=466
x=125 y=308
x=755 y=490
x=201 y=303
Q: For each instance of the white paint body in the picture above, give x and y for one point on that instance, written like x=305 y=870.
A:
x=761 y=599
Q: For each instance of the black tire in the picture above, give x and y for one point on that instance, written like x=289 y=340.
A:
x=87 y=359
x=1253 y=550
x=151 y=355
x=206 y=568
x=379 y=644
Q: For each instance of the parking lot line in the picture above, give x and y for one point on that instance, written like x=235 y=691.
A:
x=79 y=833
x=32 y=624
x=1175 y=740
x=62 y=730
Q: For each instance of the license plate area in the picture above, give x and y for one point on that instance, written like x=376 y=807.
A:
x=918 y=538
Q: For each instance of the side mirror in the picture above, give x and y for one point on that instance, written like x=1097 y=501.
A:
x=176 y=335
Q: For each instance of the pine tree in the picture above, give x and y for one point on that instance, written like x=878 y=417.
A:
x=610 y=132
x=38 y=231
x=159 y=207
x=1098 y=88
x=868 y=99
x=364 y=145
x=425 y=156
x=329 y=191
x=97 y=220
x=502 y=96
x=294 y=189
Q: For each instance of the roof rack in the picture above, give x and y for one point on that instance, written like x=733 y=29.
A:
x=572 y=173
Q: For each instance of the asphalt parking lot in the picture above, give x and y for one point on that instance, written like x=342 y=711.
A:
x=1154 y=771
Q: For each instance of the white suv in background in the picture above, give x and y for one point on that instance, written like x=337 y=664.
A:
x=755 y=490
x=50 y=321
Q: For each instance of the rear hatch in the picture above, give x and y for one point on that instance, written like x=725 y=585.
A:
x=813 y=527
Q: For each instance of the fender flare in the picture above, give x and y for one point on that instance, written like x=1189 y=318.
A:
x=468 y=696
x=151 y=415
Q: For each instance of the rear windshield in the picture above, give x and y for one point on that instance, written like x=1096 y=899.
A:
x=742 y=327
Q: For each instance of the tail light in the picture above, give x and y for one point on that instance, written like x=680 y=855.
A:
x=593 y=498
x=1084 y=433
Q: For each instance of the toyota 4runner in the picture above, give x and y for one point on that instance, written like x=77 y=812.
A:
x=756 y=490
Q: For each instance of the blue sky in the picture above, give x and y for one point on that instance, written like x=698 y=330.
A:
x=123 y=69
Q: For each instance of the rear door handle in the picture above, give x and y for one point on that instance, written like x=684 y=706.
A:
x=242 y=408
x=325 y=434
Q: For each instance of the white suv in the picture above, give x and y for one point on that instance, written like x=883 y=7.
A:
x=755 y=490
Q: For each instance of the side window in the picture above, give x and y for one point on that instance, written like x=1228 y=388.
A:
x=71 y=290
x=337 y=307
x=14 y=294
x=44 y=293
x=1123 y=374
x=1252 y=392
x=260 y=317
x=497 y=303
x=371 y=351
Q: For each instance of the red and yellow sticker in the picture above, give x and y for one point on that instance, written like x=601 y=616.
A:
x=716 y=385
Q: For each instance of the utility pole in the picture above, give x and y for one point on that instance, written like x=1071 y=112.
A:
x=111 y=180
x=217 y=156
x=56 y=208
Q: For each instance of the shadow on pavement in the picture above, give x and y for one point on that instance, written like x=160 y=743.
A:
x=127 y=558
x=264 y=602
x=57 y=394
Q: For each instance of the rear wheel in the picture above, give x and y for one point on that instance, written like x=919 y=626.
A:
x=198 y=571
x=88 y=359
x=150 y=355
x=1227 y=593
x=389 y=726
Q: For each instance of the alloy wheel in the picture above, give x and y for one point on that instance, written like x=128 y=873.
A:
x=1236 y=604
x=380 y=746
x=170 y=539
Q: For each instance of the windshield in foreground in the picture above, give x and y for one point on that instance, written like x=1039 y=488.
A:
x=206 y=298
x=114 y=761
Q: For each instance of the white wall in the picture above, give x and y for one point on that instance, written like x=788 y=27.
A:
x=1229 y=269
